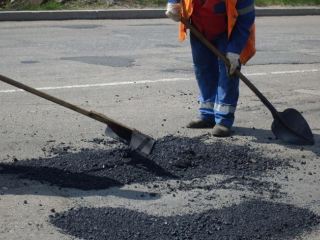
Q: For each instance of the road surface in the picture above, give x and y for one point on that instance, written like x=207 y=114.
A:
x=137 y=72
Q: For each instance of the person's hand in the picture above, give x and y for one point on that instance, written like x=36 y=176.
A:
x=174 y=11
x=234 y=62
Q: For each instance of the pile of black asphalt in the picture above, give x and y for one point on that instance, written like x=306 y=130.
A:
x=251 y=220
x=173 y=157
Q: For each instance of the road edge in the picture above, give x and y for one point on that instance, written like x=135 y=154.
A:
x=134 y=14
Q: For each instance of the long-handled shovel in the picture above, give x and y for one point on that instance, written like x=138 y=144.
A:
x=289 y=125
x=137 y=141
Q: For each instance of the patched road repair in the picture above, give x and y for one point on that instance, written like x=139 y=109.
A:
x=62 y=178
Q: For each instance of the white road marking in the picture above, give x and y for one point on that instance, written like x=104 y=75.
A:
x=151 y=81
x=102 y=84
x=257 y=74
x=295 y=71
x=308 y=91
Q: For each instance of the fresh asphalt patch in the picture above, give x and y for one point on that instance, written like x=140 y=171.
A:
x=254 y=219
x=173 y=157
x=112 y=164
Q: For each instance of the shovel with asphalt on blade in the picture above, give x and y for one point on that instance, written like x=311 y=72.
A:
x=289 y=125
x=137 y=141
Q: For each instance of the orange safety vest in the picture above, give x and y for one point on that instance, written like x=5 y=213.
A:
x=232 y=14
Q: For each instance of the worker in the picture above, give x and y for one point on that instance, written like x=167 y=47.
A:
x=229 y=26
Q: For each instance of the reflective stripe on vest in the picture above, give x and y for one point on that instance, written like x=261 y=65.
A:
x=246 y=10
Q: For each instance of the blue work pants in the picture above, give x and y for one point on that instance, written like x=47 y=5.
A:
x=219 y=93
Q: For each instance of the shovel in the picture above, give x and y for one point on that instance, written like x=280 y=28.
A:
x=289 y=125
x=137 y=141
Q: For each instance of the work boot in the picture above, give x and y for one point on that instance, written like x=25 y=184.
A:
x=221 y=131
x=201 y=123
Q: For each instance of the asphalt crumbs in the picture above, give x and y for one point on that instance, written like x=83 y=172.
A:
x=253 y=219
x=174 y=158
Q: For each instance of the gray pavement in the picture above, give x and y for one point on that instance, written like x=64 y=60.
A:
x=137 y=72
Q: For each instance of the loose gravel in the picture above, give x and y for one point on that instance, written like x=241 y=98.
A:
x=251 y=220
x=173 y=157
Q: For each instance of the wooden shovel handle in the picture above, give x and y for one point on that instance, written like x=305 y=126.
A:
x=97 y=116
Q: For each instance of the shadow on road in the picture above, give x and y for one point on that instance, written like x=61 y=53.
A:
x=266 y=136
x=74 y=184
x=173 y=158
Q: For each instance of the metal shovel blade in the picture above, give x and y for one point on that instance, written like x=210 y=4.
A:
x=111 y=133
x=141 y=143
x=138 y=142
x=292 y=128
